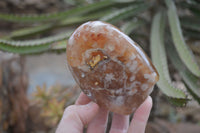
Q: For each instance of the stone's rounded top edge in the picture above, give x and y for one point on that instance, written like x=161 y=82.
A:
x=93 y=26
x=71 y=39
x=95 y=23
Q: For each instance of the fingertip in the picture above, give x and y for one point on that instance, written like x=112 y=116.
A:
x=93 y=105
x=141 y=116
x=82 y=99
x=144 y=109
x=76 y=116
x=149 y=102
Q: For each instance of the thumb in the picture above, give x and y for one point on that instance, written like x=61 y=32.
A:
x=76 y=116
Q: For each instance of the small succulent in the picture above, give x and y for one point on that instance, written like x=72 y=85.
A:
x=52 y=101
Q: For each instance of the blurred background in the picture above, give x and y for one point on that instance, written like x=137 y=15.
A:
x=36 y=85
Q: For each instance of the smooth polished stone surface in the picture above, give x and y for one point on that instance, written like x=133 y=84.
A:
x=110 y=67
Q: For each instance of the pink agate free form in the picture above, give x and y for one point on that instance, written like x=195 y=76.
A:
x=110 y=68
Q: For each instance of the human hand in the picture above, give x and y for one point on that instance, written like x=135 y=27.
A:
x=85 y=112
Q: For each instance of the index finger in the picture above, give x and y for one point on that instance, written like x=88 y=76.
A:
x=82 y=99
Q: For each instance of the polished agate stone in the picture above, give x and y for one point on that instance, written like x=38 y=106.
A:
x=109 y=67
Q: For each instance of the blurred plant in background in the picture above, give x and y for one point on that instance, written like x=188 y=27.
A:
x=50 y=104
x=165 y=30
x=52 y=101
